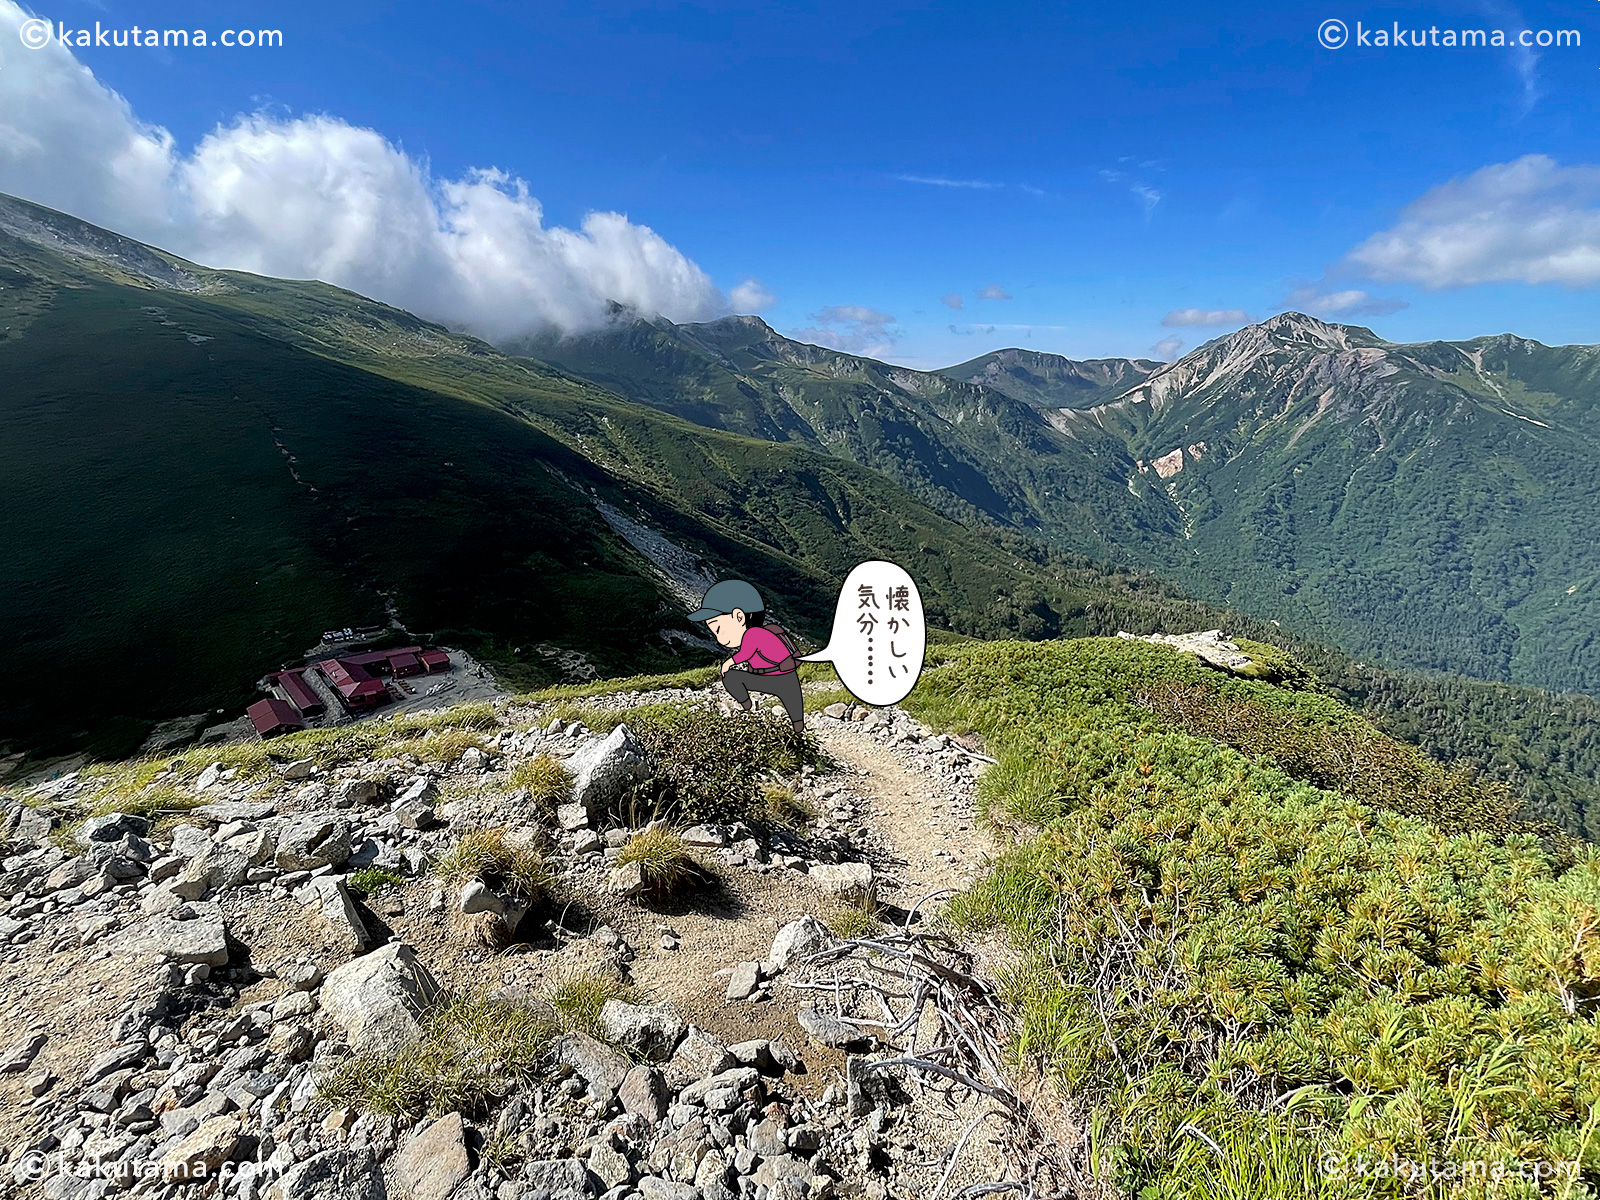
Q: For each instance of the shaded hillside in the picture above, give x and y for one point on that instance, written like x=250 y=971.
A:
x=973 y=452
x=215 y=467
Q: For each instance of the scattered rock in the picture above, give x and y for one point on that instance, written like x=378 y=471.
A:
x=798 y=940
x=648 y=1032
x=603 y=770
x=831 y=1031
x=433 y=1163
x=112 y=827
x=344 y=1174
x=626 y=880
x=572 y=817
x=21 y=1052
x=307 y=843
x=644 y=1093
x=379 y=999
x=851 y=882
x=746 y=978
x=198 y=1156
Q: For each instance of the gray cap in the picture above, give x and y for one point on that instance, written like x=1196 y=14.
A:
x=726 y=596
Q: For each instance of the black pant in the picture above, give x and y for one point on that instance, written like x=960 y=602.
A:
x=785 y=687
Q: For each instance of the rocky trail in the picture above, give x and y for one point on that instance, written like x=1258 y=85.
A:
x=174 y=999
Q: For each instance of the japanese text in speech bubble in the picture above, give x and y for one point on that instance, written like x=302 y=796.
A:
x=879 y=634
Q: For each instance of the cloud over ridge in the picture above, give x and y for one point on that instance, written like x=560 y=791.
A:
x=317 y=197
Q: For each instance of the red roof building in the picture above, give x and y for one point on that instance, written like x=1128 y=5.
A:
x=435 y=660
x=273 y=716
x=378 y=661
x=402 y=664
x=355 y=686
x=299 y=692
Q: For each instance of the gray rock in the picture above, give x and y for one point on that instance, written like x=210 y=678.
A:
x=332 y=898
x=746 y=978
x=215 y=868
x=420 y=790
x=798 y=940
x=596 y=1063
x=476 y=897
x=112 y=827
x=651 y=1188
x=604 y=770
x=355 y=791
x=626 y=880
x=705 y=837
x=560 y=1178
x=851 y=882
x=313 y=841
x=739 y=1079
x=757 y=1054
x=699 y=1055
x=648 y=1032
x=644 y=1093
x=223 y=812
x=433 y=1163
x=21 y=1052
x=572 y=817
x=830 y=1031
x=379 y=999
x=192 y=933
x=610 y=1166
x=345 y=1174
x=414 y=814
x=299 y=769
x=781 y=1167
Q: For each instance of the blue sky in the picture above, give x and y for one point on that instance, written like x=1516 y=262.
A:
x=1103 y=166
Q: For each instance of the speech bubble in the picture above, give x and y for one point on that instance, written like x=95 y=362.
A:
x=879 y=634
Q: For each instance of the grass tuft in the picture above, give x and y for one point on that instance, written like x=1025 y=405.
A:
x=471 y=1049
x=668 y=865
x=782 y=804
x=506 y=866
x=548 y=782
x=578 y=1000
x=854 y=919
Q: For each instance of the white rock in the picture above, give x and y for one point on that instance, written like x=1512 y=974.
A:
x=851 y=882
x=798 y=940
x=380 y=998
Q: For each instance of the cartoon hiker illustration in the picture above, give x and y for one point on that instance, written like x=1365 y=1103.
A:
x=764 y=657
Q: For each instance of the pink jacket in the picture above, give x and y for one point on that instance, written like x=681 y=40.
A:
x=762 y=650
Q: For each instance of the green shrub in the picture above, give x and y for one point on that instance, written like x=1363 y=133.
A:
x=710 y=767
x=369 y=881
x=1334 y=749
x=1205 y=934
x=578 y=999
x=472 y=1048
x=547 y=781
x=668 y=865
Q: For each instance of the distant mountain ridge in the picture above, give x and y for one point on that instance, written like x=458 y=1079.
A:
x=1424 y=504
x=1050 y=380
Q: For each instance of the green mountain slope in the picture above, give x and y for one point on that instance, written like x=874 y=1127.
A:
x=972 y=452
x=1428 y=505
x=1049 y=380
x=206 y=469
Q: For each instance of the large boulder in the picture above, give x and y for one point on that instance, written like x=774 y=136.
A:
x=315 y=840
x=112 y=827
x=594 y=1062
x=379 y=1000
x=648 y=1032
x=605 y=769
x=798 y=940
x=851 y=882
x=433 y=1163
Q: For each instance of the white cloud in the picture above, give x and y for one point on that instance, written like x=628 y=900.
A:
x=853 y=328
x=1349 y=302
x=1197 y=318
x=751 y=296
x=941 y=181
x=1167 y=348
x=1529 y=221
x=315 y=197
x=993 y=292
x=951 y=300
x=1146 y=195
